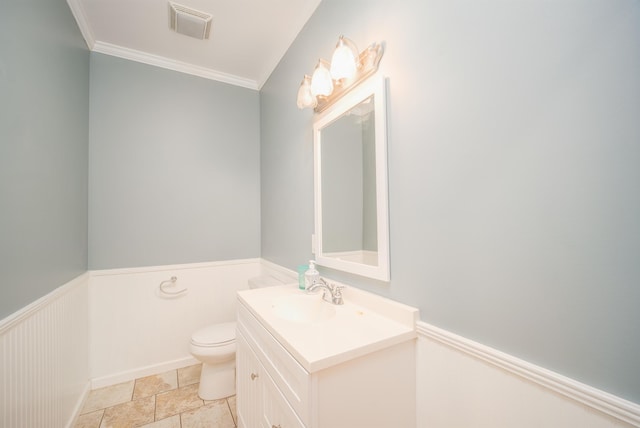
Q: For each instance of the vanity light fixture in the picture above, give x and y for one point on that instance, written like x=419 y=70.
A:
x=330 y=81
x=343 y=61
x=321 y=81
x=305 y=97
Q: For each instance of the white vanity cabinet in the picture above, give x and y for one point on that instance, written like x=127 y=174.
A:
x=360 y=388
x=262 y=404
x=248 y=384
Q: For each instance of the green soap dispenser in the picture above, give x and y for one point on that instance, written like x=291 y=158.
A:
x=311 y=275
x=302 y=269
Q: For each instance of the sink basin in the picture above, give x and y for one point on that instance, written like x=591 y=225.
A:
x=303 y=308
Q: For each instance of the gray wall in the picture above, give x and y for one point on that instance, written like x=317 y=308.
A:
x=44 y=104
x=514 y=153
x=174 y=167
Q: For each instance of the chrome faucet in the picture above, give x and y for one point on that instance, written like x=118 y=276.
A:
x=335 y=291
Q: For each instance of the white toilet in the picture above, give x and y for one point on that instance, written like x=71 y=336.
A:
x=215 y=347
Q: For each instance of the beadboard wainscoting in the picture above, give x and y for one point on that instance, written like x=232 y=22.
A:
x=135 y=331
x=44 y=375
x=462 y=383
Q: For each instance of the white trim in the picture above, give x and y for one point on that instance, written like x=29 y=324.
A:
x=161 y=268
x=83 y=23
x=374 y=85
x=288 y=274
x=170 y=64
x=79 y=405
x=20 y=315
x=139 y=372
x=604 y=402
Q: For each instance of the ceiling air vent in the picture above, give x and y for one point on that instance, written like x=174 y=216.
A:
x=189 y=22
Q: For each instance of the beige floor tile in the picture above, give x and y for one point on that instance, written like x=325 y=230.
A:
x=232 y=405
x=177 y=401
x=131 y=414
x=89 y=420
x=152 y=385
x=231 y=401
x=108 y=396
x=215 y=414
x=172 y=422
x=189 y=375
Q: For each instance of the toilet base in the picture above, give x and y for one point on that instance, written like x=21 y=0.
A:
x=217 y=380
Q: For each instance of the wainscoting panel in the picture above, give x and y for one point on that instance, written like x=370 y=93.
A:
x=135 y=330
x=462 y=383
x=44 y=374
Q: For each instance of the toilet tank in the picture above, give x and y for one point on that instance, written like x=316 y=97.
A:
x=264 y=281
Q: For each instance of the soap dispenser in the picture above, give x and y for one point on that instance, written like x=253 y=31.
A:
x=311 y=275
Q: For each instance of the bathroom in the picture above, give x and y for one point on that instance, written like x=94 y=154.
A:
x=513 y=145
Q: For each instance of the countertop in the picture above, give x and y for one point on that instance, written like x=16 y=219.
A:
x=365 y=323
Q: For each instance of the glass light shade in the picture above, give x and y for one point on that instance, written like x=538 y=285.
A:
x=321 y=83
x=305 y=97
x=344 y=60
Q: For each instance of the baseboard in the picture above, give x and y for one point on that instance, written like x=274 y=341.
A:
x=130 y=375
x=79 y=405
x=596 y=399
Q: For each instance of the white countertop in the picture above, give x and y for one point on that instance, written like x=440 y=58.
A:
x=364 y=324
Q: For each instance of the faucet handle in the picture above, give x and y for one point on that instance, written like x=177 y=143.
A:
x=336 y=294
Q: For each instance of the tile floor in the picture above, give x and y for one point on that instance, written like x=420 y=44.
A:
x=165 y=400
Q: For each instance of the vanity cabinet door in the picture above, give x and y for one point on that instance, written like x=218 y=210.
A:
x=259 y=401
x=249 y=379
x=291 y=379
x=277 y=413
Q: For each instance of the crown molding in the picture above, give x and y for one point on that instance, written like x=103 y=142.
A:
x=94 y=45
x=83 y=23
x=170 y=64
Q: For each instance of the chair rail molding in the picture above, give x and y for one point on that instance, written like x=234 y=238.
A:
x=594 y=398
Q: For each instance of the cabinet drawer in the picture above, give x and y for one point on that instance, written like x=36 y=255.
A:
x=288 y=375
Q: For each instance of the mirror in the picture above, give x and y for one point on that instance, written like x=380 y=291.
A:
x=350 y=165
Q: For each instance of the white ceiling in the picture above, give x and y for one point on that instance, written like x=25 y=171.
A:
x=248 y=37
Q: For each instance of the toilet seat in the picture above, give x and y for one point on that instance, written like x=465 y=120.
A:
x=215 y=335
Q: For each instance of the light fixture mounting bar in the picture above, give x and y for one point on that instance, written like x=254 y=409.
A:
x=368 y=62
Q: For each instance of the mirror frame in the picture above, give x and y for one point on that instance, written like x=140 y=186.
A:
x=376 y=86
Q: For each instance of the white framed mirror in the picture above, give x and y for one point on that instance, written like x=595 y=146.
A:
x=350 y=180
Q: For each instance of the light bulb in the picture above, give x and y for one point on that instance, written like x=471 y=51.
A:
x=305 y=98
x=344 y=59
x=321 y=83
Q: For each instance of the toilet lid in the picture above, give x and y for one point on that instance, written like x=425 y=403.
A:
x=215 y=335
